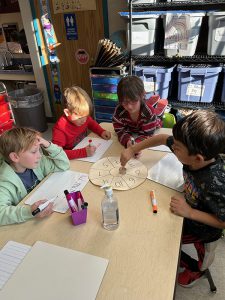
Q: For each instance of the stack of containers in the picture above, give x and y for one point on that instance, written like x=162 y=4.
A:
x=181 y=32
x=6 y=116
x=104 y=83
x=216 y=37
x=197 y=83
x=143 y=32
x=156 y=79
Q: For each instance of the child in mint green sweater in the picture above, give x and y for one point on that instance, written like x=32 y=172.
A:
x=25 y=159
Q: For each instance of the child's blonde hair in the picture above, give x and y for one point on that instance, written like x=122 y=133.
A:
x=78 y=101
x=17 y=139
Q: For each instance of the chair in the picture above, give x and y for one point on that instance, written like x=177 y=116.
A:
x=208 y=260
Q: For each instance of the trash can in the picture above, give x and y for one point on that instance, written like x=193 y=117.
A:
x=28 y=108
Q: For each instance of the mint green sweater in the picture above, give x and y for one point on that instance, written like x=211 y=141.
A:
x=12 y=190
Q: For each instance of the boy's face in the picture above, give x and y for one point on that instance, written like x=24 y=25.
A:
x=75 y=119
x=28 y=159
x=131 y=106
x=181 y=152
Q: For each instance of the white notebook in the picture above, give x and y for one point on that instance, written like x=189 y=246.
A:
x=50 y=272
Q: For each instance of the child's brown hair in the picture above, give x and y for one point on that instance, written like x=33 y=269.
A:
x=130 y=88
x=202 y=132
x=17 y=139
x=78 y=101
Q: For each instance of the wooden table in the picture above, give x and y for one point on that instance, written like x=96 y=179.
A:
x=143 y=252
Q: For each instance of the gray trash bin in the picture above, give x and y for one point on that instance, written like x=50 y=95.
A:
x=28 y=108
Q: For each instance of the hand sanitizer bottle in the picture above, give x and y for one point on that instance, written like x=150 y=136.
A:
x=110 y=210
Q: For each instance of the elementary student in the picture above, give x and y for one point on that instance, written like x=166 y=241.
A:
x=25 y=159
x=72 y=127
x=134 y=118
x=198 y=141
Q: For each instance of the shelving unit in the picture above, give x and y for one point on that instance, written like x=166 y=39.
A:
x=160 y=58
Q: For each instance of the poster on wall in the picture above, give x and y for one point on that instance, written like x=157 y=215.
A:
x=71 y=26
x=61 y=6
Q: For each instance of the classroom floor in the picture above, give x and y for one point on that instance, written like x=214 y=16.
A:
x=201 y=289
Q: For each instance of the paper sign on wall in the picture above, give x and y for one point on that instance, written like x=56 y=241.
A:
x=61 y=6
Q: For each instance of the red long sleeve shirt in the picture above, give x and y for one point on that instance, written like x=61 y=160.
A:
x=145 y=126
x=68 y=135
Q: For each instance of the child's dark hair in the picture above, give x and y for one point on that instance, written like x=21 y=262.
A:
x=202 y=132
x=131 y=88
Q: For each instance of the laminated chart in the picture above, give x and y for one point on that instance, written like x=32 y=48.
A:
x=106 y=172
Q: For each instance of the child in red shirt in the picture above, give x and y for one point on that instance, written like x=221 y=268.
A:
x=72 y=127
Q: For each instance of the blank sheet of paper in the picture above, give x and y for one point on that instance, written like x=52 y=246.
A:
x=56 y=273
x=101 y=147
x=11 y=256
x=169 y=172
x=55 y=185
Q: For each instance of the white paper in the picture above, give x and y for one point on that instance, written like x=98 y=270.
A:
x=55 y=273
x=11 y=256
x=55 y=185
x=162 y=148
x=101 y=147
x=169 y=172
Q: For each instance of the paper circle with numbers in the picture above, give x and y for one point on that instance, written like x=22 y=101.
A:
x=106 y=171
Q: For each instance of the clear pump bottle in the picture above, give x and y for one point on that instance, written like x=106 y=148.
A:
x=110 y=210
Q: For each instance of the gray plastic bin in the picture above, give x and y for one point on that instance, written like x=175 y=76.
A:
x=216 y=36
x=143 y=31
x=28 y=108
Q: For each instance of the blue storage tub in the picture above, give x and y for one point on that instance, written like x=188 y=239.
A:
x=104 y=79
x=197 y=83
x=106 y=88
x=156 y=79
x=102 y=102
x=104 y=109
x=103 y=116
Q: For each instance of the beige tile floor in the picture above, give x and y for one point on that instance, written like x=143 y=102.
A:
x=201 y=289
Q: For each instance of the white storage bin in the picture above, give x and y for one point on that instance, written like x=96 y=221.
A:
x=216 y=37
x=181 y=32
x=143 y=32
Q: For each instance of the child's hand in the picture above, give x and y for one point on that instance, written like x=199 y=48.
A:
x=43 y=142
x=136 y=155
x=106 y=135
x=179 y=206
x=45 y=212
x=90 y=150
x=126 y=155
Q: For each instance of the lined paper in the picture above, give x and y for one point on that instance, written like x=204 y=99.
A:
x=11 y=256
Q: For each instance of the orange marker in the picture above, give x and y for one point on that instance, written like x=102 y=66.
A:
x=154 y=202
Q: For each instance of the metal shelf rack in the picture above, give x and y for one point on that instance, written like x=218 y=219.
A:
x=160 y=58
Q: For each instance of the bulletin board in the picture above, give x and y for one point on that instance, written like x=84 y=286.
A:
x=61 y=6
